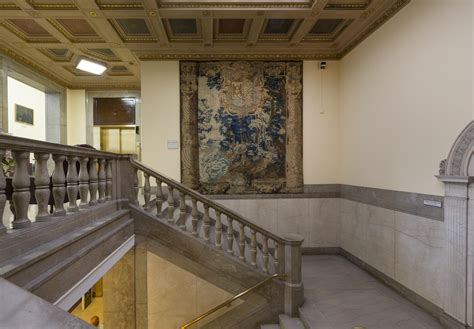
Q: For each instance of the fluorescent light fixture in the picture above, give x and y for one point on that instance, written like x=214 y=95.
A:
x=91 y=67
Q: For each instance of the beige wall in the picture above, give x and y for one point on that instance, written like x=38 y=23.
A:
x=176 y=296
x=160 y=119
x=160 y=116
x=27 y=96
x=405 y=96
x=321 y=159
x=76 y=116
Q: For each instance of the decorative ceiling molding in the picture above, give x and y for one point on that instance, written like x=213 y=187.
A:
x=246 y=56
x=120 y=33
x=52 y=6
x=395 y=8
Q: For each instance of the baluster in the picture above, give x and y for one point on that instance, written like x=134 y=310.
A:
x=21 y=189
x=42 y=186
x=108 y=180
x=3 y=197
x=182 y=214
x=276 y=256
x=93 y=181
x=207 y=223
x=230 y=235
x=218 y=230
x=59 y=188
x=83 y=183
x=146 y=191
x=135 y=187
x=170 y=204
x=253 y=249
x=72 y=186
x=194 y=214
x=242 y=242
x=265 y=254
x=159 y=198
x=101 y=180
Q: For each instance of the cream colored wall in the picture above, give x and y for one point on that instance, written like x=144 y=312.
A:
x=25 y=95
x=321 y=159
x=160 y=116
x=405 y=96
x=160 y=119
x=176 y=296
x=76 y=116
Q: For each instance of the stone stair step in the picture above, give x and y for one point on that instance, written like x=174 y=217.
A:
x=287 y=322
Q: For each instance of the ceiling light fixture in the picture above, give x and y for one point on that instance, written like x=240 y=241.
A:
x=91 y=67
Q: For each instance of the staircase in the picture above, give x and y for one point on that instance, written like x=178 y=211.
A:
x=103 y=212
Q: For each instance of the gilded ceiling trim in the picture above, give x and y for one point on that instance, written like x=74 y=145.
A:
x=25 y=61
x=126 y=38
x=99 y=56
x=72 y=38
x=118 y=6
x=115 y=86
x=330 y=38
x=247 y=56
x=9 y=6
x=51 y=6
x=397 y=6
x=348 y=6
x=57 y=59
x=203 y=5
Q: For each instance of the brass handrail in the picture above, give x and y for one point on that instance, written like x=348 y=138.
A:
x=230 y=300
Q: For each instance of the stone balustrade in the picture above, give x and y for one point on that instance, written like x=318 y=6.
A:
x=62 y=180
x=244 y=240
x=78 y=173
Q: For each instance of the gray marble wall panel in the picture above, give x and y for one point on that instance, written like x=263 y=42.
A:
x=405 y=247
x=317 y=220
x=407 y=202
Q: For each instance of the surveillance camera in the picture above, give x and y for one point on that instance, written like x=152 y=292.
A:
x=322 y=65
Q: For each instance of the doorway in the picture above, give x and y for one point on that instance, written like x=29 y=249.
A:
x=118 y=140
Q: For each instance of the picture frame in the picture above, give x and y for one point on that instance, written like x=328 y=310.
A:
x=24 y=115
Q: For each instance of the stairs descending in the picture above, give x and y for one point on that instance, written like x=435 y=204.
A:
x=286 y=322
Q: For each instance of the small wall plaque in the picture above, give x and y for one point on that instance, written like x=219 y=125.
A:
x=432 y=203
x=172 y=144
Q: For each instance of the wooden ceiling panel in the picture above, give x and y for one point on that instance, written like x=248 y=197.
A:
x=51 y=35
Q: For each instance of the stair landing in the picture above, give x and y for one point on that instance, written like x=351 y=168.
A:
x=339 y=295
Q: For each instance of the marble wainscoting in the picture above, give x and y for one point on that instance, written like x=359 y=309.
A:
x=119 y=294
x=391 y=234
x=176 y=296
x=316 y=219
x=405 y=247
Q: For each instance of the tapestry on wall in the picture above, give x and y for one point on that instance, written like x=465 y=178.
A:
x=241 y=126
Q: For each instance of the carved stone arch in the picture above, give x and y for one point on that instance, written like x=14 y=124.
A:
x=458 y=162
x=457 y=174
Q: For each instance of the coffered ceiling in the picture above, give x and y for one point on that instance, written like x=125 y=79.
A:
x=53 y=35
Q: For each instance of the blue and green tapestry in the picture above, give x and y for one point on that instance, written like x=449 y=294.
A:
x=242 y=114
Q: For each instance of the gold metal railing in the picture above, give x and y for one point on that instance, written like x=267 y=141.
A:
x=230 y=300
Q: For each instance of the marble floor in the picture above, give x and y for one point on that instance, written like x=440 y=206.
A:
x=340 y=295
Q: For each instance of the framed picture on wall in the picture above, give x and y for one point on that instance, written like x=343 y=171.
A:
x=24 y=114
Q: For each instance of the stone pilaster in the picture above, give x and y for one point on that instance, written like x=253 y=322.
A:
x=456 y=236
x=3 y=96
x=189 y=125
x=294 y=140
